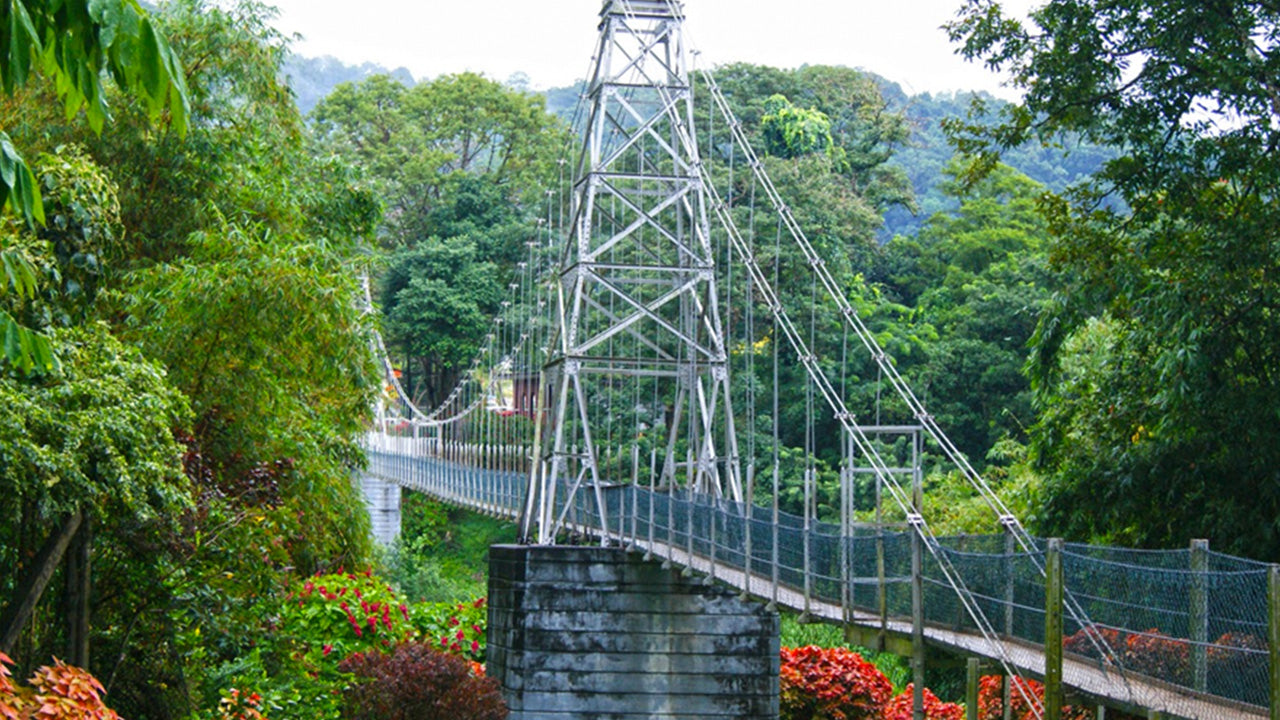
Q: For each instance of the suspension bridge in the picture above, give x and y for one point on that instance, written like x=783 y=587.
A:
x=629 y=392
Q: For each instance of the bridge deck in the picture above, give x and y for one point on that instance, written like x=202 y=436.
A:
x=1083 y=679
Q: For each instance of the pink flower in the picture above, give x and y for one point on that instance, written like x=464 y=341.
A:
x=475 y=646
x=460 y=635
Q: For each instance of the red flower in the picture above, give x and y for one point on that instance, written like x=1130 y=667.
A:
x=327 y=649
x=475 y=646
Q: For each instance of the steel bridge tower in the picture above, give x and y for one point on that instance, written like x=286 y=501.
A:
x=637 y=330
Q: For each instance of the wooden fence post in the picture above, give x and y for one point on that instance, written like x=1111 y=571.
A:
x=972 y=679
x=1199 y=613
x=1053 y=695
x=917 y=622
x=1273 y=636
x=1006 y=683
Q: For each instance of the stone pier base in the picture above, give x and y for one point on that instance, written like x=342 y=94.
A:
x=588 y=632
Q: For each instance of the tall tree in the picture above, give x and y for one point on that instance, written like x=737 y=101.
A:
x=234 y=263
x=421 y=142
x=74 y=44
x=1173 y=281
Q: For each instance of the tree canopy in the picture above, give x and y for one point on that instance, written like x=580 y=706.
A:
x=1167 y=259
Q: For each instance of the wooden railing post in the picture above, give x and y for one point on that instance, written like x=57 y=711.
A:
x=1006 y=683
x=1199 y=630
x=972 y=679
x=1273 y=636
x=917 y=619
x=1053 y=695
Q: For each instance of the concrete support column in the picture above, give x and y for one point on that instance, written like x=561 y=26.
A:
x=591 y=632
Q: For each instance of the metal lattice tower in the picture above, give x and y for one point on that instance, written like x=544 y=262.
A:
x=637 y=301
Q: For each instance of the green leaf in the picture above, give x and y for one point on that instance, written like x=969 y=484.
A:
x=24 y=43
x=20 y=191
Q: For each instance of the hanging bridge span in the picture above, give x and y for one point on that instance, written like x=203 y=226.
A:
x=679 y=370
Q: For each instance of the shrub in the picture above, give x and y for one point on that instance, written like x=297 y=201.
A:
x=991 y=701
x=240 y=706
x=456 y=628
x=416 y=682
x=1082 y=642
x=332 y=616
x=1232 y=667
x=279 y=687
x=1158 y=655
x=901 y=707
x=831 y=684
x=60 y=692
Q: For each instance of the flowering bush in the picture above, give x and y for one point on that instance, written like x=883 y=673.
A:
x=60 y=692
x=416 y=682
x=901 y=707
x=332 y=616
x=457 y=628
x=831 y=684
x=1158 y=655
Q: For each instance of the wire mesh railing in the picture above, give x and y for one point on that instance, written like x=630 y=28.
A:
x=1194 y=621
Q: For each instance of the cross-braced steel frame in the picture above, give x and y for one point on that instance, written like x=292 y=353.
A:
x=636 y=293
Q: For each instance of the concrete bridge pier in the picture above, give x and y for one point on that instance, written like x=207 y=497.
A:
x=590 y=632
x=382 y=500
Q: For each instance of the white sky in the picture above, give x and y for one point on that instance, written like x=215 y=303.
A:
x=552 y=40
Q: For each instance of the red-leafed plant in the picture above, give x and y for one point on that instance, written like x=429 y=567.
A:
x=1237 y=659
x=831 y=684
x=1158 y=655
x=415 y=682
x=1087 y=641
x=991 y=700
x=902 y=706
x=57 y=692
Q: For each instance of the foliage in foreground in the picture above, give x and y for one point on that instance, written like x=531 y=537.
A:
x=57 y=692
x=418 y=682
x=292 y=657
x=831 y=684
